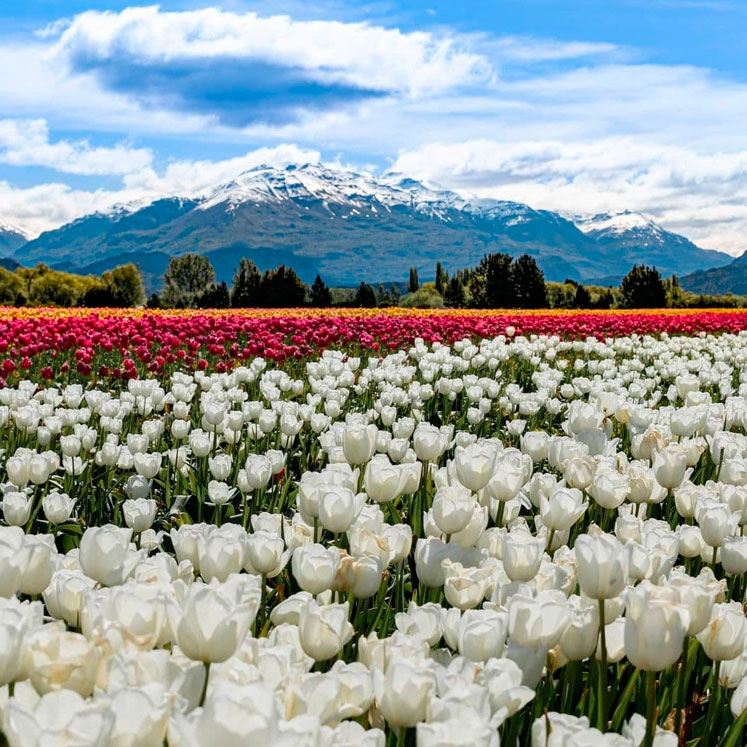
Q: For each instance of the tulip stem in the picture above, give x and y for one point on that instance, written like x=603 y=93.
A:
x=602 y=713
x=550 y=538
x=205 y=685
x=715 y=698
x=499 y=514
x=651 y=709
x=682 y=689
x=259 y=619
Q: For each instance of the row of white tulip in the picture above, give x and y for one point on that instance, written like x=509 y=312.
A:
x=516 y=541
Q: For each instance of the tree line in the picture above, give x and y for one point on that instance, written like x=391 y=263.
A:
x=498 y=281
x=41 y=286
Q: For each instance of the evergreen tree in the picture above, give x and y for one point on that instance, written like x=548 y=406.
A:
x=605 y=300
x=491 y=284
x=365 y=296
x=153 y=302
x=454 y=295
x=217 y=296
x=186 y=278
x=441 y=279
x=643 y=288
x=530 y=291
x=414 y=284
x=281 y=288
x=246 y=280
x=582 y=299
x=384 y=297
x=321 y=298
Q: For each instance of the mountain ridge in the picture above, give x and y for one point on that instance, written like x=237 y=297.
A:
x=349 y=227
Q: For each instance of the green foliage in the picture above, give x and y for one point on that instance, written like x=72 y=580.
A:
x=11 y=287
x=365 y=296
x=582 y=299
x=186 y=278
x=562 y=295
x=383 y=297
x=491 y=285
x=454 y=294
x=528 y=283
x=246 y=280
x=413 y=283
x=281 y=288
x=321 y=298
x=124 y=284
x=215 y=296
x=441 y=279
x=425 y=297
x=45 y=287
x=643 y=288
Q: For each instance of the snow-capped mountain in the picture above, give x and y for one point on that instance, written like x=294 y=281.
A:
x=636 y=236
x=12 y=237
x=350 y=226
x=616 y=223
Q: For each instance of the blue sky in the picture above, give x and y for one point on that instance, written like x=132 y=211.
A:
x=576 y=105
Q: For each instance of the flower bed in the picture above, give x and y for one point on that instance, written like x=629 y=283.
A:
x=533 y=538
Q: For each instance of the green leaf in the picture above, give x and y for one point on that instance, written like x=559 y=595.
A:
x=734 y=735
x=622 y=707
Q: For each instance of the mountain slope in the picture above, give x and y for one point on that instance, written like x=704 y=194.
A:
x=348 y=227
x=637 y=238
x=731 y=278
x=11 y=238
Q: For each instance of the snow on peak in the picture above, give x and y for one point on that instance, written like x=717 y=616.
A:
x=6 y=227
x=616 y=222
x=356 y=191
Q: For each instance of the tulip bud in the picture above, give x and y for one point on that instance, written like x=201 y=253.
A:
x=212 y=619
x=139 y=514
x=315 y=567
x=723 y=636
x=105 y=554
x=324 y=630
x=452 y=508
x=602 y=566
x=522 y=555
x=655 y=627
x=16 y=508
x=57 y=507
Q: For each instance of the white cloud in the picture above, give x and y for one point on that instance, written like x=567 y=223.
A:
x=528 y=49
x=25 y=142
x=46 y=206
x=198 y=177
x=356 y=54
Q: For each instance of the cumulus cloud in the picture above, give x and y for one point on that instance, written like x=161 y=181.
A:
x=245 y=68
x=25 y=142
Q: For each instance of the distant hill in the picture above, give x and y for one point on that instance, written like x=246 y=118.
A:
x=351 y=227
x=731 y=278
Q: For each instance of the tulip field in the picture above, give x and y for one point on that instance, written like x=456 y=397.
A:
x=373 y=528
